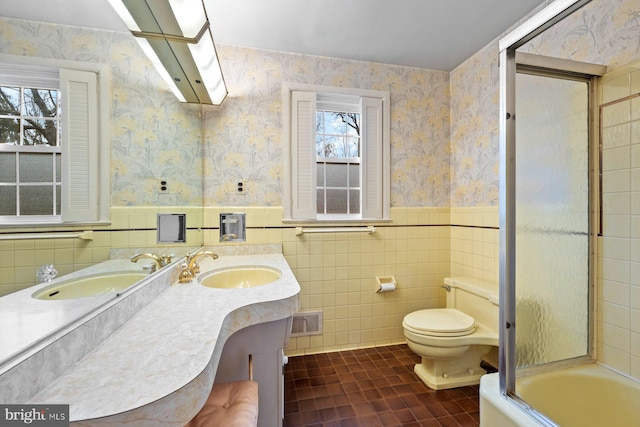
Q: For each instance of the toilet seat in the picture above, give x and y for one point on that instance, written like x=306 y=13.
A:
x=440 y=322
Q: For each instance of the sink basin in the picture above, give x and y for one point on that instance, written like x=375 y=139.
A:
x=89 y=286
x=239 y=277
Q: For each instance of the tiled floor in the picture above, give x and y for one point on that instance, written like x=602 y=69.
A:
x=369 y=388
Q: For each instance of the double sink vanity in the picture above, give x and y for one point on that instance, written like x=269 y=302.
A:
x=151 y=347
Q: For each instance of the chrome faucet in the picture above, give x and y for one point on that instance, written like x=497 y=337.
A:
x=158 y=261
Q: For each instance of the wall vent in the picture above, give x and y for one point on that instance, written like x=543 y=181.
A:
x=306 y=323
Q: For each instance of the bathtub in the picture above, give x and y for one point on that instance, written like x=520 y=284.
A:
x=587 y=395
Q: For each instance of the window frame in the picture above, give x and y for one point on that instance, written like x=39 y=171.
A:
x=291 y=166
x=99 y=213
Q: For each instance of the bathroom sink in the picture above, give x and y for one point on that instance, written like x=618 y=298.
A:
x=239 y=277
x=89 y=286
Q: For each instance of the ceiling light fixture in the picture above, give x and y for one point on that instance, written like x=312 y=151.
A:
x=176 y=36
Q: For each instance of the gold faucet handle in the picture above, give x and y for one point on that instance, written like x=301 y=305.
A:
x=195 y=267
x=151 y=268
x=166 y=259
x=185 y=275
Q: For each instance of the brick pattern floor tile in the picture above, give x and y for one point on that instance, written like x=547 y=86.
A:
x=368 y=388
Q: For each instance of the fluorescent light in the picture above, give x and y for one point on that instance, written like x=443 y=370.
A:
x=175 y=35
x=190 y=15
x=206 y=59
x=148 y=50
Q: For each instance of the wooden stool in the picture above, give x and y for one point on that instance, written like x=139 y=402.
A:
x=233 y=404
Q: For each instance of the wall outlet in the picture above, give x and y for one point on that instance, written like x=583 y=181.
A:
x=163 y=186
x=241 y=188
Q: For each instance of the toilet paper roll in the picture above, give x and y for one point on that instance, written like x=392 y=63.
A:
x=387 y=287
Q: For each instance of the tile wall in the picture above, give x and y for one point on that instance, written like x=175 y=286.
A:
x=474 y=242
x=618 y=302
x=130 y=227
x=336 y=271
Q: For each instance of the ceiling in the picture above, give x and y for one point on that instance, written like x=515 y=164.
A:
x=433 y=34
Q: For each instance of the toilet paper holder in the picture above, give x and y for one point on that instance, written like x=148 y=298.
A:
x=385 y=284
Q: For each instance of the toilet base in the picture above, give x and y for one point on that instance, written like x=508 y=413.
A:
x=440 y=374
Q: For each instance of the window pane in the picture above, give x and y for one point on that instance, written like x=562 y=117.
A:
x=58 y=170
x=353 y=124
x=36 y=200
x=354 y=175
x=333 y=147
x=40 y=131
x=40 y=102
x=337 y=134
x=353 y=147
x=354 y=201
x=9 y=101
x=8 y=197
x=320 y=201
x=319 y=122
x=340 y=147
x=9 y=131
x=7 y=167
x=58 y=200
x=336 y=201
x=36 y=167
x=336 y=175
x=333 y=123
x=320 y=167
x=321 y=147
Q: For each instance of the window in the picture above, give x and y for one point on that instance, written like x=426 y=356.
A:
x=338 y=159
x=49 y=145
x=30 y=150
x=338 y=154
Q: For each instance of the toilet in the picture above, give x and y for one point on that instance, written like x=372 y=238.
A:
x=453 y=341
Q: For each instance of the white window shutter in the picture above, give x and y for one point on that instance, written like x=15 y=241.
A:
x=372 y=150
x=79 y=145
x=303 y=154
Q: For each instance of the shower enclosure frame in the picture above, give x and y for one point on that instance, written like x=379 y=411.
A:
x=508 y=45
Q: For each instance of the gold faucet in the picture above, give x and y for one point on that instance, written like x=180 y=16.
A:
x=192 y=258
x=158 y=261
x=190 y=267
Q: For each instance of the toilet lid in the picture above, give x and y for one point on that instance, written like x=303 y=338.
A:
x=440 y=322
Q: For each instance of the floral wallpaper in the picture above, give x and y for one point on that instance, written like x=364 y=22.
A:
x=444 y=127
x=243 y=137
x=153 y=136
x=604 y=32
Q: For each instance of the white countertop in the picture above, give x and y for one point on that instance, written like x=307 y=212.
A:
x=159 y=366
x=24 y=321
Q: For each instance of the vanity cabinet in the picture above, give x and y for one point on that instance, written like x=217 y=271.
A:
x=265 y=343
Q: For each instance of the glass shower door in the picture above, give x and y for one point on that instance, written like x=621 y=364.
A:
x=552 y=219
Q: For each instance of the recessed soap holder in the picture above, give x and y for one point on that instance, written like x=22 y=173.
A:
x=233 y=227
x=172 y=228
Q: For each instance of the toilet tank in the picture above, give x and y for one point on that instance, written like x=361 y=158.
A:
x=475 y=297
